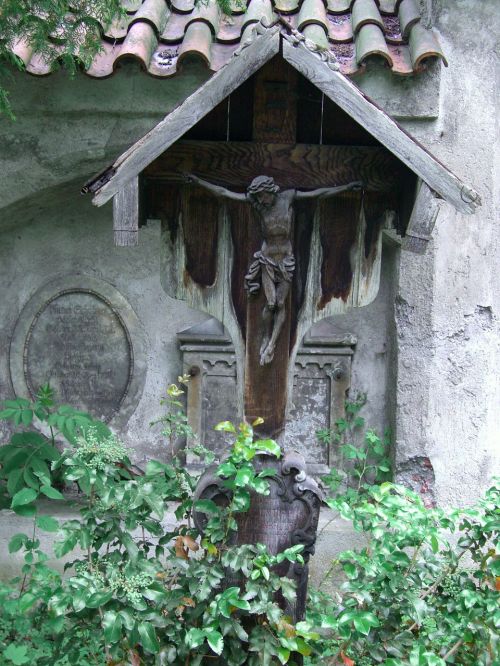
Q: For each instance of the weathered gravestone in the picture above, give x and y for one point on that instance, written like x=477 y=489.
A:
x=286 y=517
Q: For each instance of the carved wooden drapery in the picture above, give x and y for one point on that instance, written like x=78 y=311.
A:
x=208 y=245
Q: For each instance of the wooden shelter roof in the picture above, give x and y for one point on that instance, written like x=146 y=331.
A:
x=161 y=34
x=324 y=71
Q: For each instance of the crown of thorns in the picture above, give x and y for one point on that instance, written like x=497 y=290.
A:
x=262 y=184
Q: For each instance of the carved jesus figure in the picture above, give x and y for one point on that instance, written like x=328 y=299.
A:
x=274 y=264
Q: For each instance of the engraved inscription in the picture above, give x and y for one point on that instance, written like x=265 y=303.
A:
x=271 y=521
x=79 y=344
x=310 y=413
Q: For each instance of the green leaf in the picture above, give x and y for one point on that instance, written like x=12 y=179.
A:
x=112 y=624
x=269 y=446
x=243 y=476
x=225 y=426
x=14 y=481
x=17 y=654
x=206 y=506
x=148 y=637
x=98 y=599
x=24 y=496
x=283 y=655
x=194 y=638
x=47 y=523
x=216 y=642
x=26 y=510
x=51 y=492
x=17 y=542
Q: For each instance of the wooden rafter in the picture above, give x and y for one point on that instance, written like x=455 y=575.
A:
x=319 y=70
x=248 y=60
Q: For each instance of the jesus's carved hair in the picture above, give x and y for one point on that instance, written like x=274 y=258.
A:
x=262 y=184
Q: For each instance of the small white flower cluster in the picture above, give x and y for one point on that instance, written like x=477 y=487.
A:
x=131 y=585
x=96 y=452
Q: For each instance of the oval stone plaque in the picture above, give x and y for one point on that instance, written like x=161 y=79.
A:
x=79 y=344
x=82 y=336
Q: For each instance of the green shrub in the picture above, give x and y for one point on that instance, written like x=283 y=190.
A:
x=423 y=592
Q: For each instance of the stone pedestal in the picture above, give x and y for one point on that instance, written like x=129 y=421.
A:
x=322 y=378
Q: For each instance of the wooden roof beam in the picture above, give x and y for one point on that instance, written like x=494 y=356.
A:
x=321 y=69
x=247 y=59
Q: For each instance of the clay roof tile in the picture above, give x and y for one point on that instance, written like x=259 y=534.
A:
x=161 y=33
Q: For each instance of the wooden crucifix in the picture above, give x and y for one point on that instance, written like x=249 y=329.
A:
x=273 y=265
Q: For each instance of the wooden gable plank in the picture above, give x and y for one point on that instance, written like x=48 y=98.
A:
x=422 y=220
x=243 y=64
x=321 y=71
x=126 y=214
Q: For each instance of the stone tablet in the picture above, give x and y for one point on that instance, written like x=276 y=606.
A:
x=79 y=344
x=76 y=334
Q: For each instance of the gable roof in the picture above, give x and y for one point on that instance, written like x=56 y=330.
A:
x=160 y=34
x=322 y=69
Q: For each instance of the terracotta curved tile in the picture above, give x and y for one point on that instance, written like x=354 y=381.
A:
x=197 y=41
x=257 y=10
x=370 y=41
x=401 y=60
x=23 y=50
x=392 y=29
x=221 y=55
x=317 y=34
x=409 y=15
x=340 y=31
x=365 y=12
x=346 y=55
x=140 y=43
x=183 y=6
x=175 y=28
x=424 y=44
x=164 y=61
x=338 y=6
x=287 y=6
x=104 y=62
x=387 y=6
x=154 y=12
x=38 y=65
x=118 y=29
x=230 y=29
x=238 y=7
x=313 y=12
x=131 y=6
x=208 y=12
x=340 y=28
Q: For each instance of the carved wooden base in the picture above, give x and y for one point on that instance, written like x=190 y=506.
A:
x=287 y=516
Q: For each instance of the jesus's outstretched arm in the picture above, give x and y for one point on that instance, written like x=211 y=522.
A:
x=326 y=192
x=216 y=189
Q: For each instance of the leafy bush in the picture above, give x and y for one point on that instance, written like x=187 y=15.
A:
x=423 y=592
x=135 y=594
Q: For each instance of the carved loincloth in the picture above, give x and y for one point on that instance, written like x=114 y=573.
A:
x=278 y=271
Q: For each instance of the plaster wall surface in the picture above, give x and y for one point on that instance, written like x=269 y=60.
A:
x=447 y=305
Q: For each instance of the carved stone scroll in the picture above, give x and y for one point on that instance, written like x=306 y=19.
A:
x=286 y=517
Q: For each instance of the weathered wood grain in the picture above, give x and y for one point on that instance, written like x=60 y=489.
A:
x=299 y=166
x=344 y=93
x=422 y=220
x=275 y=103
x=126 y=214
x=197 y=105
